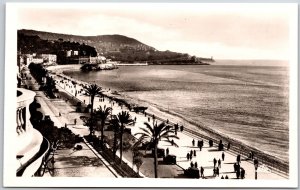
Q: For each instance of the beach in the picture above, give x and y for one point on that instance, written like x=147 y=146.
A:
x=237 y=146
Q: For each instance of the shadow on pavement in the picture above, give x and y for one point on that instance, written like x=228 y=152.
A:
x=79 y=161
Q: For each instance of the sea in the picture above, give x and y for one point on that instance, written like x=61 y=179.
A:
x=245 y=100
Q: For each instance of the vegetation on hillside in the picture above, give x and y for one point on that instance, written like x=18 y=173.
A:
x=114 y=47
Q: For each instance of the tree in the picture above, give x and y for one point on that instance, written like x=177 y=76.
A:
x=156 y=133
x=90 y=122
x=116 y=127
x=121 y=120
x=92 y=90
x=102 y=114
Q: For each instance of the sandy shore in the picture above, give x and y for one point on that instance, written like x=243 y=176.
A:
x=236 y=146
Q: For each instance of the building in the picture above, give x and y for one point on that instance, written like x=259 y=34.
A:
x=31 y=146
x=32 y=58
x=49 y=59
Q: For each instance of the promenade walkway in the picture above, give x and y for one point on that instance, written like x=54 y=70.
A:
x=203 y=158
x=70 y=163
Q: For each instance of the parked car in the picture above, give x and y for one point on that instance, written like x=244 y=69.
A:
x=160 y=152
x=170 y=159
x=192 y=172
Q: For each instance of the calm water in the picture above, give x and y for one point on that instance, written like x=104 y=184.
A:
x=249 y=103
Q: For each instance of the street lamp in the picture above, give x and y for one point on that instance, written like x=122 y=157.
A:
x=256 y=166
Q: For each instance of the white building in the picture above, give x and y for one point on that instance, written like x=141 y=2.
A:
x=31 y=146
x=49 y=59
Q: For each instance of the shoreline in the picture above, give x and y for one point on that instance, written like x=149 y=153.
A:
x=272 y=162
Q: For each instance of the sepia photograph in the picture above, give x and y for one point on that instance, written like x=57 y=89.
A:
x=151 y=95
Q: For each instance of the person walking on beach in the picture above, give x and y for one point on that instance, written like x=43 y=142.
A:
x=202 y=172
x=223 y=156
x=215 y=162
x=193 y=142
x=219 y=163
x=228 y=146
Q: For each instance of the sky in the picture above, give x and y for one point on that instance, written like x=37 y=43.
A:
x=224 y=31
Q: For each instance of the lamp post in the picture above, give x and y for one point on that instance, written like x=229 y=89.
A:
x=255 y=166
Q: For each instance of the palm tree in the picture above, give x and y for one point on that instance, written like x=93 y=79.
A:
x=123 y=118
x=92 y=90
x=102 y=114
x=116 y=127
x=156 y=133
x=90 y=122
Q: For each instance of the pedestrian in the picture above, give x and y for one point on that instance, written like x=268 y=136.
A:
x=238 y=158
x=194 y=152
x=188 y=156
x=214 y=172
x=59 y=114
x=215 y=162
x=219 y=163
x=181 y=128
x=202 y=172
x=75 y=121
x=235 y=167
x=167 y=121
x=201 y=145
x=226 y=177
x=192 y=164
x=167 y=151
x=148 y=119
x=193 y=142
x=196 y=165
x=223 y=156
x=191 y=152
x=172 y=142
x=65 y=125
x=134 y=118
x=242 y=173
x=198 y=144
x=217 y=172
x=222 y=177
x=238 y=174
x=191 y=156
x=228 y=146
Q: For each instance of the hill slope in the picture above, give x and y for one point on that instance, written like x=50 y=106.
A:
x=116 y=47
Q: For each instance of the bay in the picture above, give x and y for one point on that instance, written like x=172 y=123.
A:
x=247 y=103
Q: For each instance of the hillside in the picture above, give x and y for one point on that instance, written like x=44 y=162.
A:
x=116 y=47
x=102 y=43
